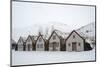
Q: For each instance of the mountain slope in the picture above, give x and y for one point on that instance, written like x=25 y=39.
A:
x=87 y=30
x=45 y=29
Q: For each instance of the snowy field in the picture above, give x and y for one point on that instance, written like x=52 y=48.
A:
x=42 y=57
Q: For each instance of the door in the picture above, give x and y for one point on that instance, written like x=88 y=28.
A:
x=74 y=46
x=28 y=47
x=55 y=46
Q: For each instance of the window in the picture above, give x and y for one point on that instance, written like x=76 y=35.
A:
x=79 y=44
x=87 y=31
x=40 y=39
x=74 y=42
x=20 y=40
x=54 y=37
x=68 y=44
x=73 y=36
x=29 y=40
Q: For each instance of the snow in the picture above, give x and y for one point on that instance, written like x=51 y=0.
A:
x=13 y=41
x=46 y=29
x=42 y=57
x=63 y=30
x=87 y=30
x=62 y=34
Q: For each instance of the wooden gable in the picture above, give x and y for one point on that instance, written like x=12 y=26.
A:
x=39 y=37
x=72 y=33
x=52 y=35
x=29 y=38
x=20 y=40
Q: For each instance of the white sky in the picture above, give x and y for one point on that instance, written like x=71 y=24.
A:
x=26 y=14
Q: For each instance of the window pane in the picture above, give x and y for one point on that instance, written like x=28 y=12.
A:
x=40 y=39
x=68 y=44
x=79 y=44
x=73 y=36
x=54 y=37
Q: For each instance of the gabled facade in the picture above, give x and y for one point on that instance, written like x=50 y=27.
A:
x=29 y=45
x=20 y=44
x=54 y=42
x=40 y=43
x=75 y=42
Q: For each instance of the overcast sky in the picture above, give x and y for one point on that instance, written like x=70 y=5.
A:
x=26 y=14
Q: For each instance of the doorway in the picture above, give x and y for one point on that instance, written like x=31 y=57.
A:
x=55 y=46
x=74 y=48
x=28 y=47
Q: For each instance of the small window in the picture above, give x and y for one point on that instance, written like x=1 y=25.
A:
x=73 y=36
x=87 y=31
x=20 y=41
x=79 y=44
x=29 y=40
x=68 y=44
x=40 y=39
x=54 y=37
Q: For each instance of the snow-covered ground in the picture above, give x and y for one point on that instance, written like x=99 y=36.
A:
x=42 y=57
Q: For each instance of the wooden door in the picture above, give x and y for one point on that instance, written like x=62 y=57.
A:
x=28 y=47
x=74 y=46
x=55 y=46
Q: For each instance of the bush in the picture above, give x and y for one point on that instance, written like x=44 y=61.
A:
x=87 y=47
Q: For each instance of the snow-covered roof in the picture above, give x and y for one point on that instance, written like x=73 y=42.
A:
x=88 y=40
x=82 y=34
x=13 y=41
x=31 y=36
x=35 y=37
x=59 y=33
x=24 y=39
x=87 y=30
x=62 y=34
